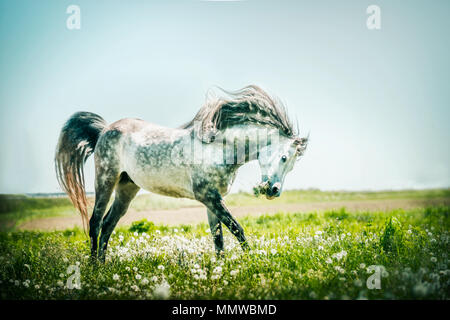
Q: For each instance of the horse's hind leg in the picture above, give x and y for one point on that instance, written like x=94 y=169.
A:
x=126 y=190
x=105 y=183
x=216 y=231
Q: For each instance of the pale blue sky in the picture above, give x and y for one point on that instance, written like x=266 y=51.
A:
x=376 y=102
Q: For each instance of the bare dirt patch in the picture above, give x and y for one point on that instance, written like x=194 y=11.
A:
x=198 y=214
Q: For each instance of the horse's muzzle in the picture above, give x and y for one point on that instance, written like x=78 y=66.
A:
x=270 y=190
x=273 y=191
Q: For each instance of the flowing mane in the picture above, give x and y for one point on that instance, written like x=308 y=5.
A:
x=250 y=104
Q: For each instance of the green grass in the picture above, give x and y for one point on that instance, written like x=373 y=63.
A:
x=314 y=195
x=293 y=256
x=16 y=209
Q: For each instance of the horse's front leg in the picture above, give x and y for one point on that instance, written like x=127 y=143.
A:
x=216 y=231
x=214 y=202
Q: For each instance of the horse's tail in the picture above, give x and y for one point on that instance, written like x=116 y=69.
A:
x=76 y=143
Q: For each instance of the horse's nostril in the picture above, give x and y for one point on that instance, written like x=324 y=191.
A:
x=276 y=188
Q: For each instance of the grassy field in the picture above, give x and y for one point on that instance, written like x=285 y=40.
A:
x=16 y=209
x=329 y=255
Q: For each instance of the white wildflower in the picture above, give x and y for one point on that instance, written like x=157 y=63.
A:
x=162 y=290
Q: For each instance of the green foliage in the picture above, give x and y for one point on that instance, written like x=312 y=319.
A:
x=15 y=209
x=339 y=215
x=293 y=256
x=142 y=226
x=391 y=238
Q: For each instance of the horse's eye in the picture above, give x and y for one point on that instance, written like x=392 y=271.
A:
x=283 y=158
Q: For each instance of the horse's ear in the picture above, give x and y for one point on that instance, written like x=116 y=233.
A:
x=300 y=144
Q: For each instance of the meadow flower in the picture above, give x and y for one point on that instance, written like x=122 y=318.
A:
x=362 y=265
x=161 y=267
x=59 y=283
x=420 y=289
x=154 y=278
x=339 y=255
x=339 y=269
x=135 y=269
x=37 y=286
x=116 y=277
x=135 y=288
x=433 y=259
x=217 y=270
x=162 y=290
x=127 y=268
x=234 y=272
x=273 y=251
x=145 y=281
x=329 y=261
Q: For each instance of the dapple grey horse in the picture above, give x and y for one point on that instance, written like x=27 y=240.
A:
x=198 y=160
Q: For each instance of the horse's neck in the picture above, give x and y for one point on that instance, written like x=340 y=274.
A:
x=249 y=139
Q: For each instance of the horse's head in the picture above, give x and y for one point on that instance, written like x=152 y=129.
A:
x=275 y=161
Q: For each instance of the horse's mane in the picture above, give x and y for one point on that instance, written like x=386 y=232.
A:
x=249 y=105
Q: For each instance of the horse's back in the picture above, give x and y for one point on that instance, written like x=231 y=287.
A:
x=128 y=125
x=143 y=150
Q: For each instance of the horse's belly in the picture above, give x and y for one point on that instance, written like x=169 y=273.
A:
x=172 y=182
x=147 y=160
